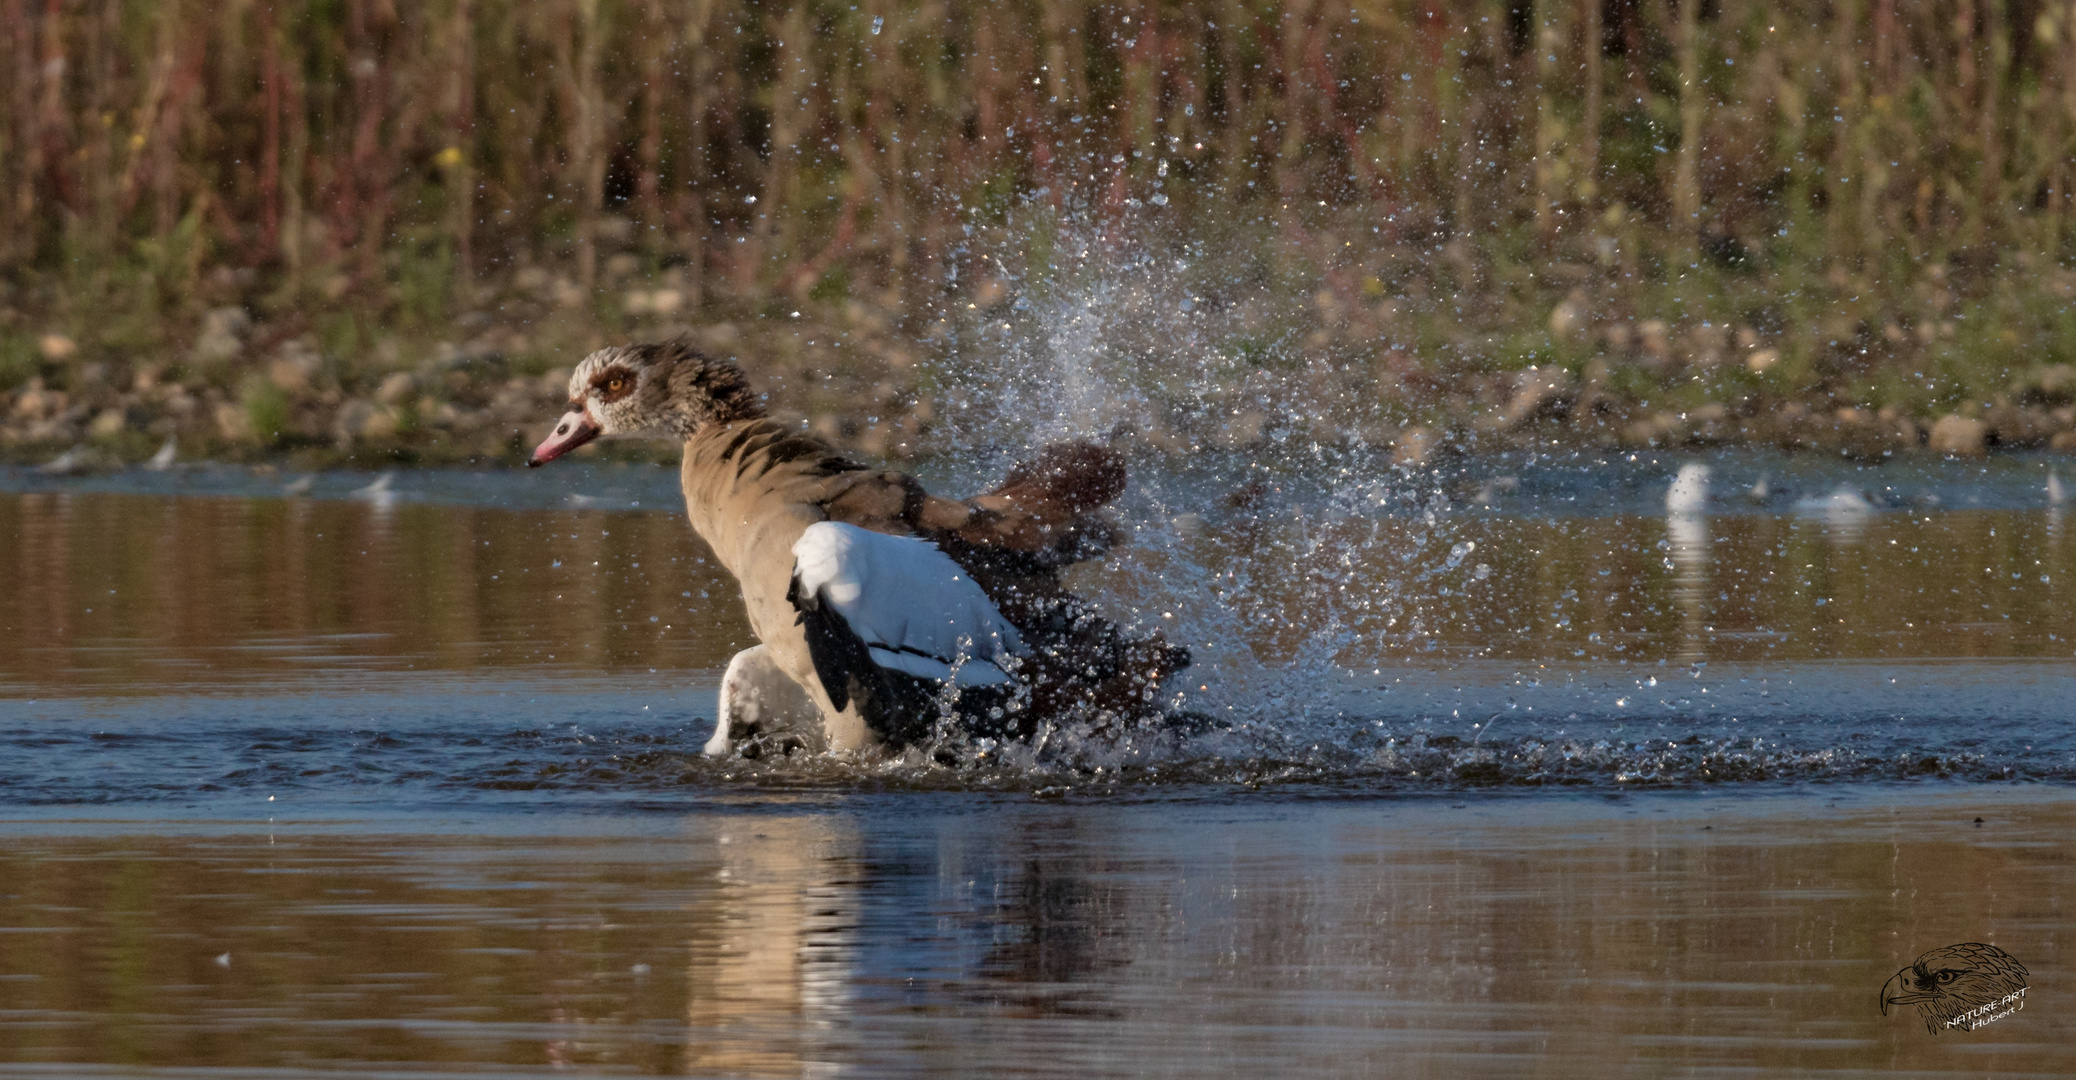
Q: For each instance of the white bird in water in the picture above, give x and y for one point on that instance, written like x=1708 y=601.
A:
x=300 y=485
x=1845 y=498
x=64 y=464
x=2056 y=495
x=1847 y=510
x=1689 y=491
x=380 y=492
x=1490 y=491
x=79 y=459
x=1759 y=492
x=163 y=460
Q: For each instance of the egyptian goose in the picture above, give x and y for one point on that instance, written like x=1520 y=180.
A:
x=880 y=608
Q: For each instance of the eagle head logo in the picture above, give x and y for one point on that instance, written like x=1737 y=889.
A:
x=1955 y=986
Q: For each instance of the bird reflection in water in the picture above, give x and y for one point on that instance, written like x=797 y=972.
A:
x=1686 y=531
x=773 y=954
x=781 y=945
x=2057 y=496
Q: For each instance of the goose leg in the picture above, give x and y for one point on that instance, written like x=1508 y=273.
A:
x=759 y=699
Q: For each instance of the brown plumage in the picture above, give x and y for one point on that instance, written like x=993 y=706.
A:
x=752 y=488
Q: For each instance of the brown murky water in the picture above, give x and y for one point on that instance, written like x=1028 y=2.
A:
x=120 y=594
x=1659 y=935
x=132 y=594
x=312 y=785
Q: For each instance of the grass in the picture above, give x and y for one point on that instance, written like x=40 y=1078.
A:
x=1881 y=193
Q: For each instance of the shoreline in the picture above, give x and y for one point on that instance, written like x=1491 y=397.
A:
x=870 y=392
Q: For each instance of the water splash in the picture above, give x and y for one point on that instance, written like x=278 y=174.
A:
x=1248 y=533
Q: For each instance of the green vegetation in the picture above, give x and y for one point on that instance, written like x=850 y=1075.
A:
x=1844 y=204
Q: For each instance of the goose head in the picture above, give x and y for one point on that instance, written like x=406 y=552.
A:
x=657 y=390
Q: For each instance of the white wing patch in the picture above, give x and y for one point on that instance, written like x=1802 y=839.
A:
x=915 y=608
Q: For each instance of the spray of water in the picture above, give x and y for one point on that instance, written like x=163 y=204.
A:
x=1284 y=559
x=1304 y=569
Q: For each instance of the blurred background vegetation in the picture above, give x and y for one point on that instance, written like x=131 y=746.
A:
x=363 y=226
